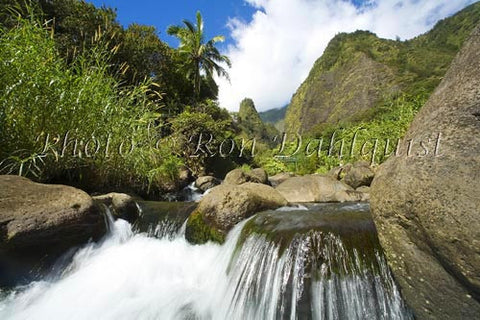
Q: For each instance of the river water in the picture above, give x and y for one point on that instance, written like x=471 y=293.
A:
x=295 y=265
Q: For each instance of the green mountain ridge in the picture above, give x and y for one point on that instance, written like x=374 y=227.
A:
x=251 y=124
x=359 y=72
x=275 y=117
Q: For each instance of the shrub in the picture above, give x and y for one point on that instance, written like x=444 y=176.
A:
x=45 y=102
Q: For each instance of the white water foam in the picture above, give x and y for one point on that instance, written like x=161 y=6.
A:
x=293 y=208
x=135 y=276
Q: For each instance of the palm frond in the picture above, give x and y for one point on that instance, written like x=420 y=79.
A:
x=199 y=56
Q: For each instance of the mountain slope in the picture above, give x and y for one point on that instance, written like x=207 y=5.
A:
x=276 y=117
x=251 y=124
x=358 y=72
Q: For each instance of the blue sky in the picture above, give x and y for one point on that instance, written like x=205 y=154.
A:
x=163 y=13
x=273 y=44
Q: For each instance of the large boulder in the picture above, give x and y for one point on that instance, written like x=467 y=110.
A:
x=236 y=177
x=225 y=206
x=279 y=178
x=240 y=176
x=48 y=218
x=121 y=205
x=317 y=188
x=338 y=172
x=426 y=204
x=258 y=175
x=360 y=174
x=206 y=182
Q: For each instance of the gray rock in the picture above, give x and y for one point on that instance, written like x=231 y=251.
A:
x=426 y=207
x=121 y=205
x=206 y=182
x=48 y=218
x=351 y=196
x=336 y=172
x=279 y=178
x=363 y=189
x=236 y=177
x=258 y=175
x=360 y=174
x=316 y=188
x=240 y=176
x=225 y=206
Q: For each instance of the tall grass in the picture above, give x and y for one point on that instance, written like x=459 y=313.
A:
x=44 y=100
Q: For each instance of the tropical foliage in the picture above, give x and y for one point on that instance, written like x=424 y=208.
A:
x=74 y=123
x=87 y=102
x=197 y=54
x=99 y=108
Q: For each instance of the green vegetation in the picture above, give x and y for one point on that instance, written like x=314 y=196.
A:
x=74 y=122
x=373 y=140
x=197 y=126
x=359 y=72
x=274 y=115
x=251 y=125
x=198 y=55
x=87 y=102
x=199 y=232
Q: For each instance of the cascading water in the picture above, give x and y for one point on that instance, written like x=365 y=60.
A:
x=271 y=267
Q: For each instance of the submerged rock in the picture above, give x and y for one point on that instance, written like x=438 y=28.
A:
x=46 y=218
x=163 y=219
x=225 y=206
x=426 y=206
x=324 y=263
x=317 y=188
x=352 y=222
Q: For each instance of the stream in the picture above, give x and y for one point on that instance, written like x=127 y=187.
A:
x=318 y=261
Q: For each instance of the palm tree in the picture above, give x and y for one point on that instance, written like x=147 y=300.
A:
x=199 y=56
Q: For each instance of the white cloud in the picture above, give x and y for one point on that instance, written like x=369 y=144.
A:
x=273 y=53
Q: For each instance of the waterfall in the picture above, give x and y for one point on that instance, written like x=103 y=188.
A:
x=131 y=275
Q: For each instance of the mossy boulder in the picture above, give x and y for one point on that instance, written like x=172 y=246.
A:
x=426 y=207
x=199 y=230
x=225 y=206
x=352 y=225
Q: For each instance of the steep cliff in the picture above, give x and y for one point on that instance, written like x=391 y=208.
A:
x=251 y=124
x=358 y=72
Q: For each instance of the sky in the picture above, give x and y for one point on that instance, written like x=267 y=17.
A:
x=273 y=44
